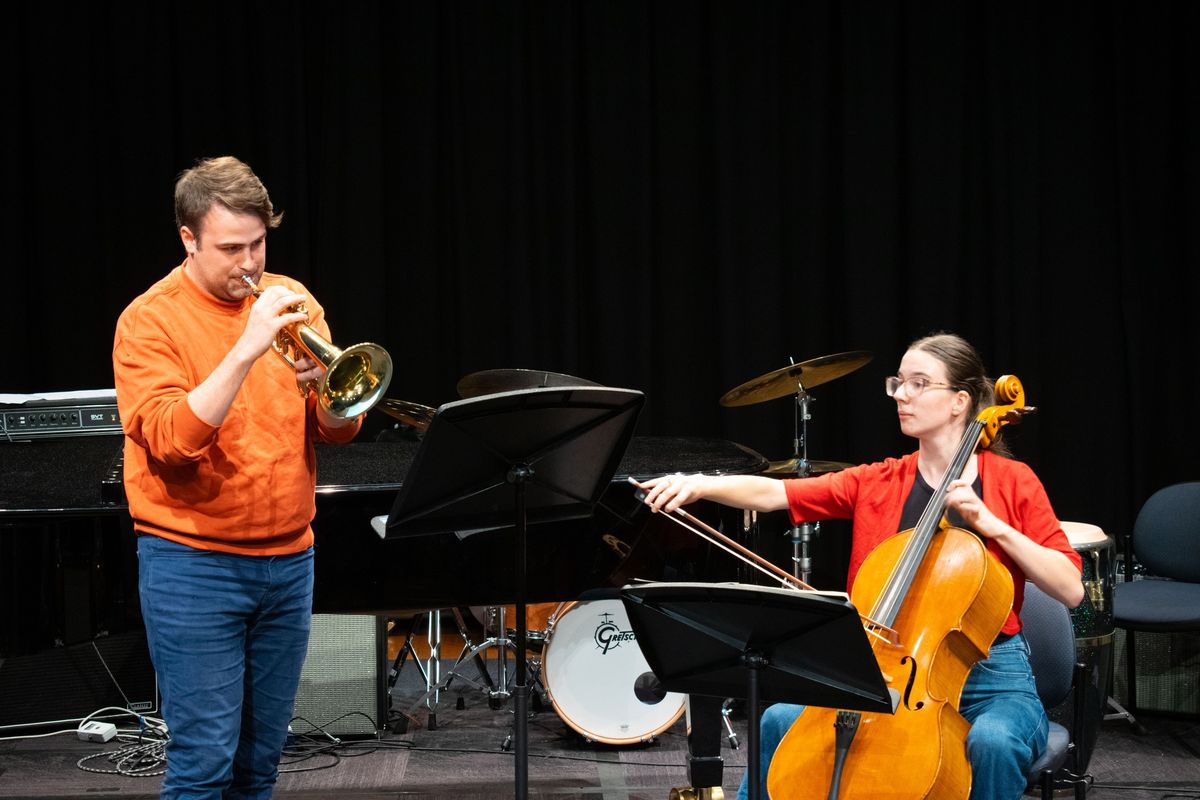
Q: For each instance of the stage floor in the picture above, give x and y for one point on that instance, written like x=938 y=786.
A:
x=463 y=756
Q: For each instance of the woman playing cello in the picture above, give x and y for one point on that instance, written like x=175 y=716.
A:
x=938 y=389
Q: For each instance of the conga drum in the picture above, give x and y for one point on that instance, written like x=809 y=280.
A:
x=1092 y=621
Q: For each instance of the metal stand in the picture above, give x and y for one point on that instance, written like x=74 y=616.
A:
x=802 y=534
x=498 y=691
x=730 y=735
x=433 y=666
x=407 y=650
x=1120 y=712
x=430 y=668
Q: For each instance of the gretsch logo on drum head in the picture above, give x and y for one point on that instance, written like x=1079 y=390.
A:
x=608 y=636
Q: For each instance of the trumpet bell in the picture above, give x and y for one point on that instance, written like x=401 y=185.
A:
x=355 y=380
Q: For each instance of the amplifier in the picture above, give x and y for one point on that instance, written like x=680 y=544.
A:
x=1167 y=666
x=343 y=687
x=58 y=415
x=1168 y=671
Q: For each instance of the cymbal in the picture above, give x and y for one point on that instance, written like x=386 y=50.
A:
x=491 y=381
x=413 y=414
x=788 y=380
x=791 y=467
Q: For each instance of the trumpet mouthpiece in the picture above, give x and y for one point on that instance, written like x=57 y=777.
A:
x=246 y=279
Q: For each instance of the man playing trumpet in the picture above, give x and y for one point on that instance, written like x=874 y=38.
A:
x=220 y=476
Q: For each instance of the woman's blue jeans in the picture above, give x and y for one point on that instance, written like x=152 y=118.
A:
x=228 y=635
x=1008 y=724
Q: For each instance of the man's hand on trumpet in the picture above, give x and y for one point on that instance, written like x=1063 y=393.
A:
x=268 y=316
x=308 y=372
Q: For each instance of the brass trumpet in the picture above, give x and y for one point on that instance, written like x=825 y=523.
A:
x=355 y=378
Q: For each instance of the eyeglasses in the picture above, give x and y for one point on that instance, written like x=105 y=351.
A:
x=913 y=386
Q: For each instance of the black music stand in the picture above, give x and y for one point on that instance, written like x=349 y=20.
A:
x=514 y=459
x=757 y=642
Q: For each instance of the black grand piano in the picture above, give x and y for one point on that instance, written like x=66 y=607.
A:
x=68 y=556
x=359 y=572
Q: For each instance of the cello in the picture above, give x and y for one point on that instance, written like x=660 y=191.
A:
x=946 y=598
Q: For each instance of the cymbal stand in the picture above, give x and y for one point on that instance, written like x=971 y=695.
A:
x=802 y=534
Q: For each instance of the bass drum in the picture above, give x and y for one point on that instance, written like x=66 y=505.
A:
x=1092 y=621
x=597 y=679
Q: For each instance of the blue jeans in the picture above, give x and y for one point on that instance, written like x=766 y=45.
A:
x=1008 y=724
x=228 y=635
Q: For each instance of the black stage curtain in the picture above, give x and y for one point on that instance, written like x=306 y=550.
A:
x=669 y=196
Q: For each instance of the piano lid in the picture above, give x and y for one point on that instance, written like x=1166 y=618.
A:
x=381 y=466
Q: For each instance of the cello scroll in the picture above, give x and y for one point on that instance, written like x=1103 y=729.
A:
x=1010 y=408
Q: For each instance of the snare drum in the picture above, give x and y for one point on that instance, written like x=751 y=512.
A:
x=598 y=680
x=1092 y=621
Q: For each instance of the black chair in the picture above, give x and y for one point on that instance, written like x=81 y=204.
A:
x=1166 y=541
x=1046 y=624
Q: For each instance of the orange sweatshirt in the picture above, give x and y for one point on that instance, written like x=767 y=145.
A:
x=246 y=486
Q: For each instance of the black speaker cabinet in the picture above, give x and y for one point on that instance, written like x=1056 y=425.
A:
x=343 y=688
x=61 y=685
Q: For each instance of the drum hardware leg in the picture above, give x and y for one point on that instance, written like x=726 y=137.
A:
x=468 y=645
x=402 y=656
x=726 y=710
x=1120 y=712
x=406 y=650
x=538 y=698
x=434 y=667
x=501 y=693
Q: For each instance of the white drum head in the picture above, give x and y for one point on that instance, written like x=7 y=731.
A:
x=1081 y=533
x=598 y=680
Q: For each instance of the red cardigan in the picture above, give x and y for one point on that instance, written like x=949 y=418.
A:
x=872 y=495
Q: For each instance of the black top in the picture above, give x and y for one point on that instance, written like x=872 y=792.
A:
x=920 y=496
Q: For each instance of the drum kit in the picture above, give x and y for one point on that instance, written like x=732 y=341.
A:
x=583 y=657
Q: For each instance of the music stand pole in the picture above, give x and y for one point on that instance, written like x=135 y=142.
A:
x=795 y=647
x=475 y=471
x=754 y=662
x=517 y=477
